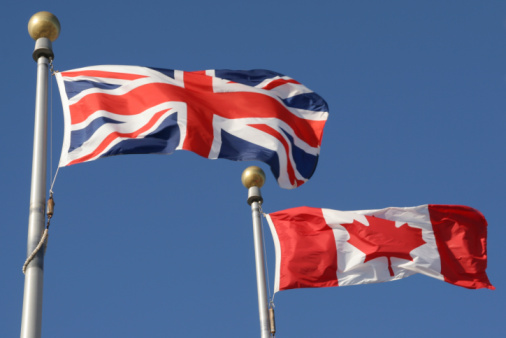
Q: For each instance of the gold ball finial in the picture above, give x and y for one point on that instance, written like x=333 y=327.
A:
x=44 y=25
x=253 y=177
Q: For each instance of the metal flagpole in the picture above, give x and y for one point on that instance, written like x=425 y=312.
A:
x=253 y=178
x=44 y=28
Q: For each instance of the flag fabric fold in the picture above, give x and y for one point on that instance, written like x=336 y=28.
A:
x=322 y=247
x=238 y=115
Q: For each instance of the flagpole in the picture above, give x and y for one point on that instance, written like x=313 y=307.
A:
x=253 y=178
x=44 y=28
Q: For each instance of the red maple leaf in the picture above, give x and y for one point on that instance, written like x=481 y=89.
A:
x=383 y=239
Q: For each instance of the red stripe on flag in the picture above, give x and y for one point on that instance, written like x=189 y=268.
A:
x=133 y=102
x=461 y=238
x=200 y=110
x=114 y=135
x=278 y=82
x=308 y=249
x=289 y=166
x=104 y=74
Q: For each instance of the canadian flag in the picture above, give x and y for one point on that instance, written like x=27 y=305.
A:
x=321 y=247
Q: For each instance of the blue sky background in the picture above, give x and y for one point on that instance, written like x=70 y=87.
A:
x=162 y=246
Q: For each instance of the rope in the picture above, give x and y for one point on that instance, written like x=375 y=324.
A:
x=53 y=73
x=271 y=297
x=54 y=179
x=272 y=321
x=51 y=119
x=45 y=234
x=43 y=240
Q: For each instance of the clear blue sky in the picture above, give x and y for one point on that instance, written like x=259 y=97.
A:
x=162 y=246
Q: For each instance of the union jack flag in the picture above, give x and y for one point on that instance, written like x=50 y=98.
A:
x=238 y=115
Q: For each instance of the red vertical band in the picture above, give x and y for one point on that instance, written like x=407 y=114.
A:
x=461 y=237
x=308 y=249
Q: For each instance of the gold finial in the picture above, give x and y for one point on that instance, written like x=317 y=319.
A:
x=253 y=177
x=44 y=25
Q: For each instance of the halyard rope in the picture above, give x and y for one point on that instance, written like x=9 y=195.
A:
x=265 y=252
x=43 y=240
x=45 y=234
x=53 y=73
x=272 y=324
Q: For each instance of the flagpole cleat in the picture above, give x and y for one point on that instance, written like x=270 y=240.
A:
x=44 y=28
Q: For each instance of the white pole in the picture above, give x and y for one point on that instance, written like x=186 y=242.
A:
x=253 y=178
x=42 y=27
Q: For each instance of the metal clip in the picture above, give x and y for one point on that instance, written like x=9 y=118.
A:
x=51 y=67
x=272 y=320
x=50 y=207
